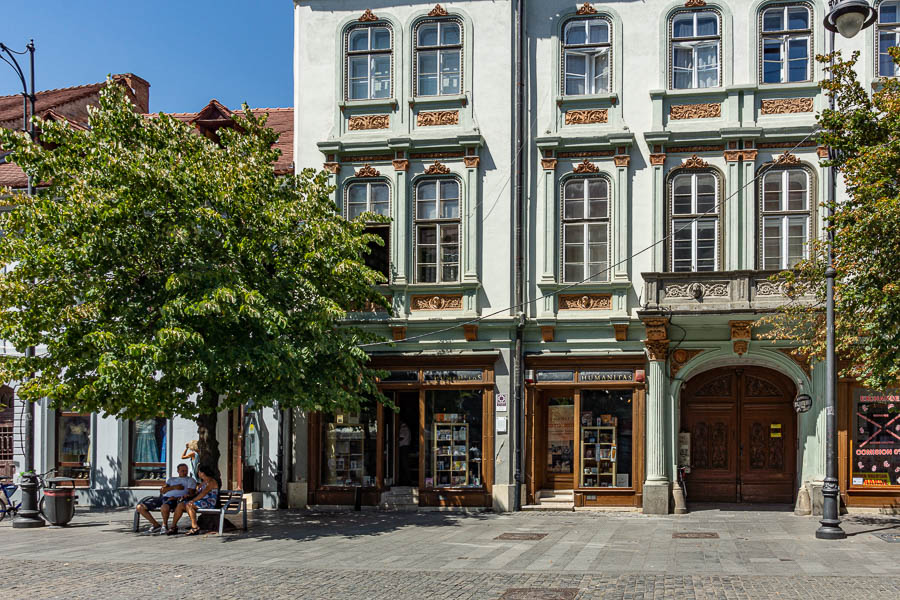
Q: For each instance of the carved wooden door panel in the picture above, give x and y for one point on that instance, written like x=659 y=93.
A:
x=710 y=415
x=768 y=437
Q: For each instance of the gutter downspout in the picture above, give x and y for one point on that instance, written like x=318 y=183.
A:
x=518 y=152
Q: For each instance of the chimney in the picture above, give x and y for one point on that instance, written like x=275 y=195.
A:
x=140 y=90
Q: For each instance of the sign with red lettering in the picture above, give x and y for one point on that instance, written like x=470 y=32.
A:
x=876 y=438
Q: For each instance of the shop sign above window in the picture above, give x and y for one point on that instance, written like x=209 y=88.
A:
x=454 y=375
x=402 y=376
x=556 y=375
x=606 y=375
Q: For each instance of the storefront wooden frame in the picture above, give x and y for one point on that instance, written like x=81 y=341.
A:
x=444 y=496
x=535 y=432
x=856 y=495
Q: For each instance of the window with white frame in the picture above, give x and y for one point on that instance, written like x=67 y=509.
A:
x=437 y=230
x=888 y=35
x=696 y=43
x=372 y=197
x=786 y=38
x=694 y=222
x=585 y=230
x=369 y=56
x=785 y=216
x=439 y=58
x=587 y=53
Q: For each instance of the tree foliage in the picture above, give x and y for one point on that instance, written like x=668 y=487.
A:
x=156 y=267
x=863 y=132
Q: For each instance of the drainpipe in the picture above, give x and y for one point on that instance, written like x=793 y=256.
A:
x=519 y=259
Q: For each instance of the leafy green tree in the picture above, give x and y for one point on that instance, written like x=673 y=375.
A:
x=863 y=132
x=160 y=273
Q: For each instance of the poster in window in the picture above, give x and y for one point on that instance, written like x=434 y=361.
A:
x=876 y=438
x=560 y=438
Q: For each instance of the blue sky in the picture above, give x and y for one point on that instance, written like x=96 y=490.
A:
x=189 y=50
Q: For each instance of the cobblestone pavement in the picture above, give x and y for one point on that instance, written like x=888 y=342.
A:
x=758 y=554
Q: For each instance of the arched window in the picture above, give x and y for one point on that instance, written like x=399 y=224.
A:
x=372 y=197
x=696 y=42
x=694 y=222
x=585 y=230
x=437 y=230
x=587 y=56
x=888 y=36
x=438 y=58
x=785 y=218
x=369 y=57
x=786 y=37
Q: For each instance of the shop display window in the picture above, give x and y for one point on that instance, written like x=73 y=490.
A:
x=73 y=446
x=606 y=421
x=876 y=438
x=149 y=441
x=453 y=439
x=349 y=449
x=561 y=436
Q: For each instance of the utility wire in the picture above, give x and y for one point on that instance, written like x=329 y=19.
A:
x=689 y=222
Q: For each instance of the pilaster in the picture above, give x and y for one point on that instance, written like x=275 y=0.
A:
x=399 y=228
x=658 y=212
x=732 y=212
x=656 y=487
x=547 y=222
x=748 y=226
x=470 y=260
x=621 y=217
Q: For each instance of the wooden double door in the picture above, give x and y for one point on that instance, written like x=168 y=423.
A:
x=7 y=431
x=743 y=432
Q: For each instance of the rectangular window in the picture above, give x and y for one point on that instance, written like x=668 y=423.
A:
x=586 y=57
x=888 y=32
x=453 y=439
x=149 y=443
x=369 y=63
x=437 y=231
x=73 y=446
x=607 y=423
x=876 y=438
x=586 y=230
x=785 y=218
x=695 y=45
x=695 y=223
x=786 y=44
x=349 y=448
x=439 y=59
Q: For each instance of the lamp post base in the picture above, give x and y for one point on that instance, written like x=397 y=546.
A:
x=28 y=516
x=830 y=530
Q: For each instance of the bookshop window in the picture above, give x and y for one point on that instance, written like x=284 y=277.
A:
x=607 y=417
x=876 y=438
x=453 y=436
x=148 y=450
x=348 y=451
x=73 y=446
x=888 y=33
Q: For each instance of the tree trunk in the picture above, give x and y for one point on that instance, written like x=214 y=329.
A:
x=207 y=444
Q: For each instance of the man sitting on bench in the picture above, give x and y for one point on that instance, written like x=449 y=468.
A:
x=170 y=495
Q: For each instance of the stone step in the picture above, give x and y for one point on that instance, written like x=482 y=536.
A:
x=549 y=507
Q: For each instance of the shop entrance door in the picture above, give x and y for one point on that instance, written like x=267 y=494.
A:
x=236 y=449
x=743 y=436
x=402 y=431
x=559 y=440
x=7 y=421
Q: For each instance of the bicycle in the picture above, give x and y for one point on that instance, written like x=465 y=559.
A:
x=7 y=505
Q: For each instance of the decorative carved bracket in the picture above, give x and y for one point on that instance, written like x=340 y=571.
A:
x=548 y=163
x=787 y=159
x=657 y=160
x=398 y=333
x=472 y=162
x=332 y=167
x=401 y=164
x=437 y=169
x=367 y=170
x=657 y=342
x=547 y=333
x=470 y=332
x=368 y=16
x=585 y=302
x=741 y=347
x=621 y=331
x=586 y=9
x=586 y=167
x=680 y=358
x=622 y=160
x=438 y=11
x=740 y=330
x=437 y=302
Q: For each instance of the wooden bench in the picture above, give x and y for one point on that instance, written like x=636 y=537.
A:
x=231 y=502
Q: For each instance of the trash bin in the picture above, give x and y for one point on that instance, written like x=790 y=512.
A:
x=58 y=503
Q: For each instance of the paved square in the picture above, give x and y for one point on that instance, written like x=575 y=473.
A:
x=372 y=555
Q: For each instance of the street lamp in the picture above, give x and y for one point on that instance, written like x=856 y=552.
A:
x=846 y=17
x=28 y=516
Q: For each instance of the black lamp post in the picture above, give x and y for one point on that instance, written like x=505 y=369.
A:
x=846 y=17
x=28 y=515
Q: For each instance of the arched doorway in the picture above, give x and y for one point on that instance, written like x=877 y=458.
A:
x=743 y=435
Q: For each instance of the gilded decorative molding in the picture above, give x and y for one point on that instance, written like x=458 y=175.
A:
x=401 y=164
x=437 y=302
x=586 y=117
x=657 y=342
x=796 y=144
x=695 y=149
x=694 y=162
x=586 y=167
x=585 y=302
x=586 y=154
x=657 y=349
x=437 y=117
x=749 y=155
x=694 y=3
x=437 y=169
x=680 y=358
x=787 y=159
x=368 y=16
x=472 y=162
x=622 y=160
x=822 y=152
x=437 y=155
x=367 y=170
x=547 y=333
x=332 y=167
x=733 y=155
x=548 y=163
x=368 y=158
x=470 y=332
x=741 y=347
x=706 y=110
x=801 y=359
x=657 y=160
x=586 y=9
x=363 y=122
x=740 y=330
x=697 y=290
x=438 y=11
x=784 y=106
x=621 y=331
